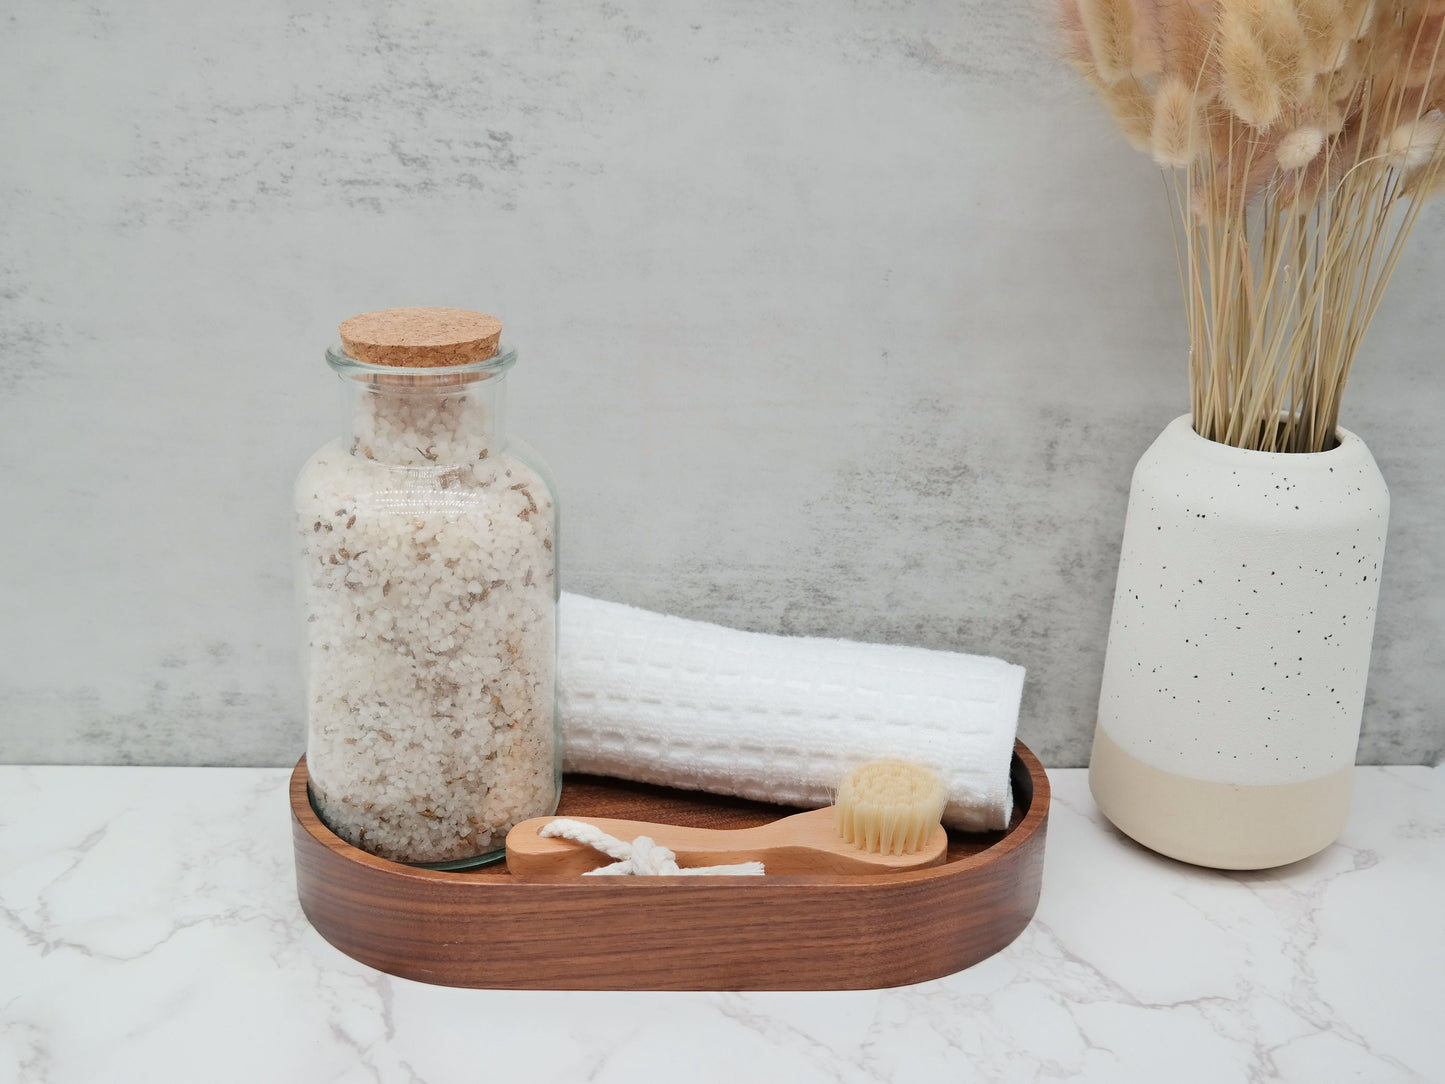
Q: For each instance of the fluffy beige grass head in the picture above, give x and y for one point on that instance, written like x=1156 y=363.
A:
x=1303 y=136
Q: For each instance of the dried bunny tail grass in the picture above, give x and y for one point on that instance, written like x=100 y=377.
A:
x=1300 y=147
x=1172 y=38
x=1308 y=133
x=1390 y=129
x=1290 y=70
x=1086 y=25
x=1301 y=190
x=1326 y=33
x=1077 y=51
x=1132 y=107
x=1344 y=86
x=1226 y=130
x=1276 y=28
x=1223 y=136
x=1109 y=25
x=1187 y=33
x=1358 y=16
x=1149 y=37
x=1306 y=144
x=1427 y=181
x=1174 y=136
x=1416 y=143
x=1322 y=112
x=1260 y=71
x=1249 y=87
x=1351 y=152
x=1318 y=109
x=1419 y=55
x=1231 y=184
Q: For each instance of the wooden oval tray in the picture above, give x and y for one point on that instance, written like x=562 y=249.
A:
x=483 y=928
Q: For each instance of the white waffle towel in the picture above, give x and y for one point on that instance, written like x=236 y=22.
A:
x=659 y=699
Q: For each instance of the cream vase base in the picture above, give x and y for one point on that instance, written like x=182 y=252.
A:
x=1219 y=825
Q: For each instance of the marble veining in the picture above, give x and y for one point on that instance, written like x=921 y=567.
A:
x=149 y=925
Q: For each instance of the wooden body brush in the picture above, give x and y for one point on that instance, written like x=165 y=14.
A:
x=885 y=819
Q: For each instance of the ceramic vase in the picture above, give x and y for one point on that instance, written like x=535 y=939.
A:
x=1239 y=648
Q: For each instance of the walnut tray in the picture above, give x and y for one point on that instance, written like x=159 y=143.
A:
x=483 y=928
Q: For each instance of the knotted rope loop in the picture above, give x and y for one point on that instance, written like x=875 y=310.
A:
x=643 y=857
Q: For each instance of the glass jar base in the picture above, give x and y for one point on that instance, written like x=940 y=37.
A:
x=463 y=863
x=1219 y=825
x=451 y=865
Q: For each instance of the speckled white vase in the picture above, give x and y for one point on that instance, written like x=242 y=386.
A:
x=1239 y=648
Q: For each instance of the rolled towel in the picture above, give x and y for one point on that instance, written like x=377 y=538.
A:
x=660 y=699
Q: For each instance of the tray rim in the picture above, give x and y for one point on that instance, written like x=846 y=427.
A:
x=1012 y=838
x=775 y=932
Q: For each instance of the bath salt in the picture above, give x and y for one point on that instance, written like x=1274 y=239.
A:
x=427 y=578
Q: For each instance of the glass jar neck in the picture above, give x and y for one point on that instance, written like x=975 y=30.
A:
x=424 y=418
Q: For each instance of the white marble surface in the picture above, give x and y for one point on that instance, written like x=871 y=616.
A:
x=149 y=931
x=845 y=319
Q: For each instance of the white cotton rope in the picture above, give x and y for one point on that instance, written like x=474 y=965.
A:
x=643 y=857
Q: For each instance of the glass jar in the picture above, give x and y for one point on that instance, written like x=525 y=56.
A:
x=427 y=546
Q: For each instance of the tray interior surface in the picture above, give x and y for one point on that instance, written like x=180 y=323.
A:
x=485 y=928
x=595 y=796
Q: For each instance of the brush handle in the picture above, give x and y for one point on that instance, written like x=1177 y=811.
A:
x=801 y=843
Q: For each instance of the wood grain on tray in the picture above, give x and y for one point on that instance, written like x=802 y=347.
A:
x=485 y=928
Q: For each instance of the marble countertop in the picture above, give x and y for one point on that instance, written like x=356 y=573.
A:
x=151 y=933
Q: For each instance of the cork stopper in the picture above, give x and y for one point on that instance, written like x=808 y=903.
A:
x=421 y=338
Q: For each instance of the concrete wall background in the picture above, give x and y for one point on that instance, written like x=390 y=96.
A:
x=834 y=319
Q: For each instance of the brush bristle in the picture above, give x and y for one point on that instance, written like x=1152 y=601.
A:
x=889 y=807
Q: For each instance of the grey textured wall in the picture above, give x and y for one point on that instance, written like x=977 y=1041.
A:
x=838 y=319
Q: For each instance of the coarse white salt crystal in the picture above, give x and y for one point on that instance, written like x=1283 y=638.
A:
x=427 y=579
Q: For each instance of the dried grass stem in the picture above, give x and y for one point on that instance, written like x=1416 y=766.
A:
x=1303 y=138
